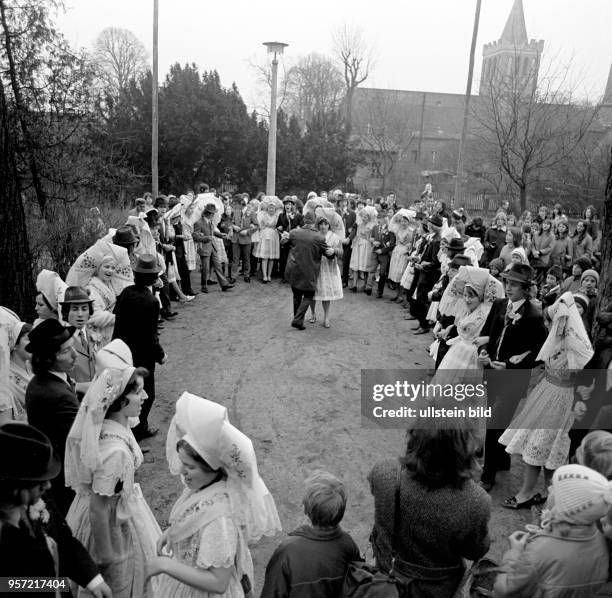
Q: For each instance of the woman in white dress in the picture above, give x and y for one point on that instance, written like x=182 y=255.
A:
x=468 y=297
x=329 y=281
x=188 y=220
x=268 y=249
x=361 y=256
x=20 y=371
x=404 y=235
x=109 y=514
x=540 y=431
x=224 y=505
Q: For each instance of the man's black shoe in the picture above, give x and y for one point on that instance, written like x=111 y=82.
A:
x=204 y=290
x=368 y=291
x=212 y=282
x=247 y=279
x=298 y=326
x=168 y=315
x=228 y=287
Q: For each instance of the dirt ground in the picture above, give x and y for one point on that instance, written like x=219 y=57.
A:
x=296 y=394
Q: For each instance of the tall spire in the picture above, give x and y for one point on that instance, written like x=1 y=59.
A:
x=607 y=99
x=515 y=31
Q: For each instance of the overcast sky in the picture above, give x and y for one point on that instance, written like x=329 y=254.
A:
x=421 y=45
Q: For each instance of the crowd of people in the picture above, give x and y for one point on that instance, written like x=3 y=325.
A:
x=511 y=302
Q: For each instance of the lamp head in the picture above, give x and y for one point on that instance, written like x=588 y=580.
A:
x=275 y=47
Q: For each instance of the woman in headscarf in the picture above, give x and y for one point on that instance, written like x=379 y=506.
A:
x=268 y=249
x=49 y=290
x=224 y=506
x=109 y=514
x=468 y=298
x=329 y=281
x=12 y=384
x=540 y=431
x=361 y=255
x=404 y=236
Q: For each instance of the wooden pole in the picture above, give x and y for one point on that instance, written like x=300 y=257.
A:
x=271 y=175
x=155 y=107
x=466 y=110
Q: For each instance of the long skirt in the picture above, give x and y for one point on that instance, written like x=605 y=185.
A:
x=133 y=534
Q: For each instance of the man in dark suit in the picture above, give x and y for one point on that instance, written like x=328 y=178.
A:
x=244 y=221
x=307 y=245
x=25 y=477
x=136 y=316
x=51 y=400
x=287 y=221
x=203 y=232
x=383 y=242
x=516 y=333
x=428 y=272
x=349 y=217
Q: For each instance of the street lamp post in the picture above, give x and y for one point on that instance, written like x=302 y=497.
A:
x=275 y=48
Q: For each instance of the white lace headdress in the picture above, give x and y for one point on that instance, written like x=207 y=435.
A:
x=205 y=426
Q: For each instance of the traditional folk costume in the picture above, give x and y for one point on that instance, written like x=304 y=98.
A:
x=403 y=244
x=210 y=527
x=540 y=432
x=102 y=457
x=462 y=356
x=269 y=241
x=13 y=379
x=329 y=281
x=51 y=287
x=361 y=255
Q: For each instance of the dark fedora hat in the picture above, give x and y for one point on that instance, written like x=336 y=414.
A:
x=48 y=336
x=125 y=236
x=76 y=295
x=460 y=260
x=147 y=264
x=456 y=244
x=436 y=220
x=210 y=208
x=28 y=454
x=522 y=273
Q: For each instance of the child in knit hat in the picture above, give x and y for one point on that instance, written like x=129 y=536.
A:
x=496 y=267
x=567 y=557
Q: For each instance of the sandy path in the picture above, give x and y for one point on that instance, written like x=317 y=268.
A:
x=295 y=394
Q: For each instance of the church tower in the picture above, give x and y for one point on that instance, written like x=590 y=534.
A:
x=513 y=61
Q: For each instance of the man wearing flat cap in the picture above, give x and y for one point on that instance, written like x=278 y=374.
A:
x=203 y=232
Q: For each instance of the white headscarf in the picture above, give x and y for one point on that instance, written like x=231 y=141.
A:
x=205 y=426
x=567 y=334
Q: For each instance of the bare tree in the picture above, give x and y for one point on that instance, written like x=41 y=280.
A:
x=356 y=57
x=384 y=132
x=121 y=57
x=263 y=79
x=314 y=85
x=528 y=130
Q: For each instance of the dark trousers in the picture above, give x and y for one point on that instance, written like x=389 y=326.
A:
x=506 y=388
x=185 y=274
x=241 y=252
x=302 y=300
x=282 y=262
x=149 y=388
x=346 y=260
x=383 y=261
x=164 y=294
x=212 y=261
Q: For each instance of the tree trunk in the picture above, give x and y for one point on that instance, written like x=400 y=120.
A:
x=523 y=198
x=17 y=289
x=604 y=299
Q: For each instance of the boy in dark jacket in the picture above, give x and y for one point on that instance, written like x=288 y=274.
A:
x=312 y=561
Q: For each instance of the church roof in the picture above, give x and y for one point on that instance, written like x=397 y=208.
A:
x=515 y=31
